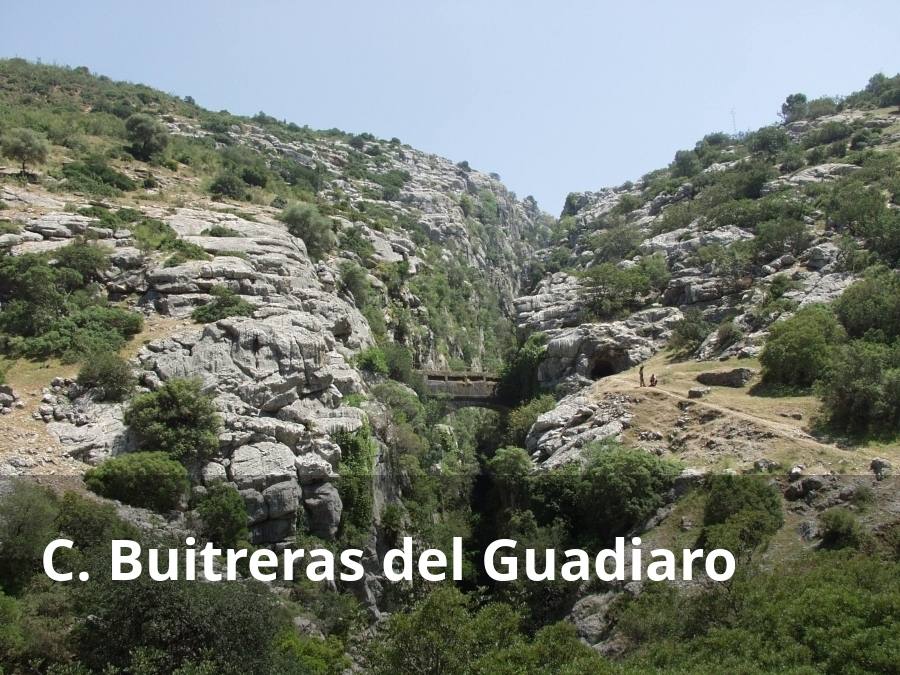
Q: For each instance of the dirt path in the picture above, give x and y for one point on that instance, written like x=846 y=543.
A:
x=782 y=429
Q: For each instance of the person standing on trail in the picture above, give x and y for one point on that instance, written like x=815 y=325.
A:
x=641 y=374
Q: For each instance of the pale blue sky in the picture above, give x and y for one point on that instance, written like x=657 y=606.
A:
x=554 y=96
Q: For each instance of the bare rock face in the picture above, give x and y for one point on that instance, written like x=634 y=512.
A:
x=267 y=363
x=323 y=508
x=260 y=465
x=590 y=351
x=555 y=303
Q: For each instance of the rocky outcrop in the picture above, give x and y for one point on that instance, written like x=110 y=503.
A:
x=560 y=435
x=590 y=351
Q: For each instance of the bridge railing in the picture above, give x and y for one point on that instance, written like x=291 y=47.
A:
x=459 y=376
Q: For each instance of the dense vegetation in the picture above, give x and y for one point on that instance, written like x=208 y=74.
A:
x=53 y=306
x=176 y=626
x=850 y=351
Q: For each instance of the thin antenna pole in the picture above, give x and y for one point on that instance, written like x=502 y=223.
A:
x=733 y=123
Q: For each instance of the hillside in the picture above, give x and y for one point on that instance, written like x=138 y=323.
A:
x=215 y=326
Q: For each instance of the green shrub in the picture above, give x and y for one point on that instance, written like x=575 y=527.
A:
x=50 y=310
x=220 y=231
x=313 y=655
x=627 y=203
x=27 y=516
x=305 y=221
x=741 y=513
x=870 y=308
x=488 y=208
x=818 y=609
x=616 y=243
x=147 y=479
x=89 y=260
x=399 y=362
x=153 y=235
x=794 y=108
x=183 y=251
x=147 y=136
x=94 y=176
x=685 y=164
x=689 y=332
x=522 y=418
x=177 y=419
x=109 y=374
x=861 y=388
x=391 y=183
x=518 y=379
x=799 y=349
x=355 y=484
x=228 y=186
x=177 y=626
x=727 y=334
x=768 y=141
x=224 y=516
x=840 y=529
x=355 y=280
x=820 y=107
x=353 y=240
x=225 y=303
x=445 y=633
x=90 y=524
x=622 y=487
x=255 y=176
x=829 y=132
x=611 y=291
x=774 y=238
x=372 y=360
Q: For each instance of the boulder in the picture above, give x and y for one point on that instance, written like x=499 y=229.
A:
x=214 y=472
x=323 y=509
x=311 y=468
x=282 y=499
x=272 y=531
x=260 y=465
x=881 y=468
x=698 y=392
x=255 y=503
x=736 y=377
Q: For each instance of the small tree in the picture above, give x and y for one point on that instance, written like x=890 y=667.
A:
x=178 y=419
x=305 y=221
x=147 y=136
x=794 y=107
x=109 y=374
x=24 y=146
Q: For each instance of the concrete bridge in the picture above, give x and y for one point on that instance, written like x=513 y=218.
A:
x=463 y=388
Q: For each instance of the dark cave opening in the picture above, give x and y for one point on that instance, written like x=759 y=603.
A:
x=601 y=368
